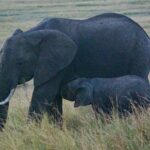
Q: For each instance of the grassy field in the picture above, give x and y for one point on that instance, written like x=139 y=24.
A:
x=80 y=131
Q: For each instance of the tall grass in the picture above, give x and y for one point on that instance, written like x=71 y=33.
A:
x=81 y=131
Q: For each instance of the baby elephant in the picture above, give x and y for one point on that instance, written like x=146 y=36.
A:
x=105 y=94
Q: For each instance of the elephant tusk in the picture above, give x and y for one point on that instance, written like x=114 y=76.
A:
x=8 y=98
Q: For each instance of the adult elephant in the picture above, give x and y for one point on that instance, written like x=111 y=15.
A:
x=107 y=45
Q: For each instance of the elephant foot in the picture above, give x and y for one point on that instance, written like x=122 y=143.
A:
x=56 y=118
x=36 y=117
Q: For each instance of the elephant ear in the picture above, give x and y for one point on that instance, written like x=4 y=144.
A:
x=84 y=96
x=56 y=52
x=17 y=31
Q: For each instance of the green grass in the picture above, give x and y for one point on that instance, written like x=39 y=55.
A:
x=80 y=131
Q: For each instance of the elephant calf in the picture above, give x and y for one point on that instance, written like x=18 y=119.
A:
x=106 y=93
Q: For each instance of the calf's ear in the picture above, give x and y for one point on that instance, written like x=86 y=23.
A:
x=84 y=97
x=17 y=31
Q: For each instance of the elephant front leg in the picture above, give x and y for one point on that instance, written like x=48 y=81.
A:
x=55 y=110
x=3 y=115
x=46 y=98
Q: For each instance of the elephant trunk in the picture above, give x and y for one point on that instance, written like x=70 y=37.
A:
x=6 y=90
x=5 y=93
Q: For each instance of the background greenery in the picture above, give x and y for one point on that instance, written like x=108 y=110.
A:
x=80 y=131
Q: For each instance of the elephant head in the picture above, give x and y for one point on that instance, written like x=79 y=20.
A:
x=38 y=54
x=80 y=91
